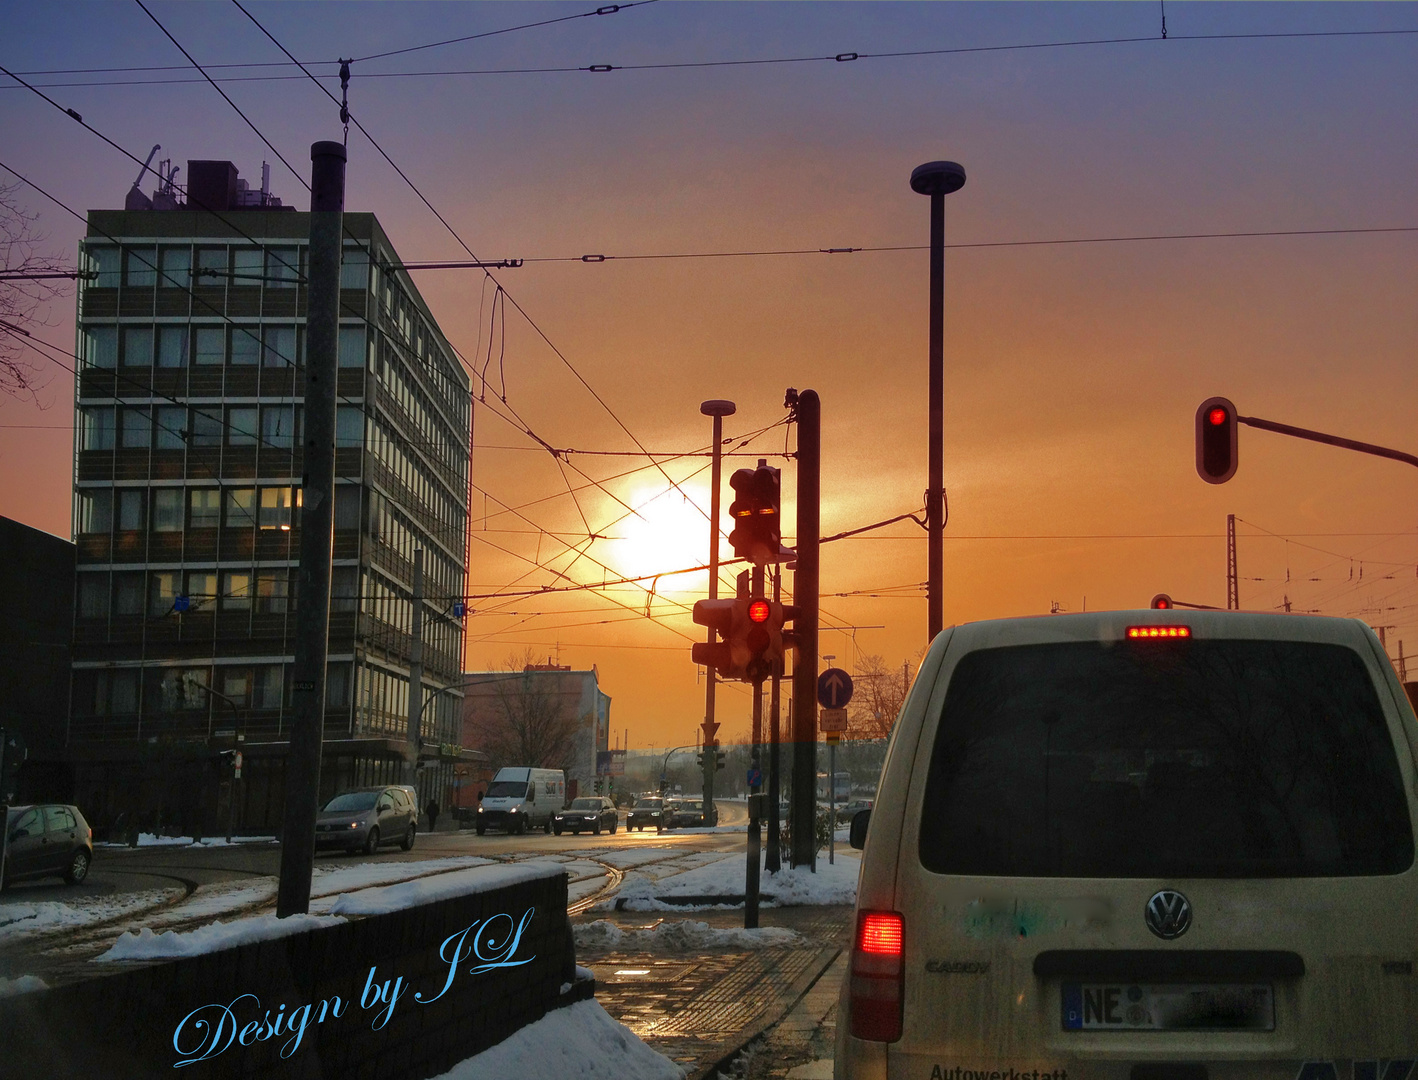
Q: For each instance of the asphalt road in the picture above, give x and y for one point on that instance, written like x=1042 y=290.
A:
x=118 y=870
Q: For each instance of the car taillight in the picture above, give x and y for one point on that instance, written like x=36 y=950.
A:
x=878 y=976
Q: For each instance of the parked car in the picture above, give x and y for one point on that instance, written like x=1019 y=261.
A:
x=521 y=798
x=845 y=814
x=592 y=814
x=1154 y=844
x=47 y=840
x=364 y=818
x=648 y=813
x=689 y=814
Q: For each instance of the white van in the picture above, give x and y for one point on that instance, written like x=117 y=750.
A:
x=521 y=798
x=1141 y=845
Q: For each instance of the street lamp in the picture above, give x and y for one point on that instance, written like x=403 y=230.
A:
x=718 y=409
x=936 y=179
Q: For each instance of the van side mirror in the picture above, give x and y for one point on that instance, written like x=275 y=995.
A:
x=858 y=836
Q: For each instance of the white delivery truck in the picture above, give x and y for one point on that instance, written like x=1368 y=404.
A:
x=521 y=798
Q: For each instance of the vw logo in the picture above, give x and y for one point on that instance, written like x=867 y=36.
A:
x=1168 y=914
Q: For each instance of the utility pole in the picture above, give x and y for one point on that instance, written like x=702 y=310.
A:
x=936 y=179
x=415 y=732
x=773 y=862
x=750 y=904
x=1233 y=591
x=805 y=600
x=312 y=618
x=718 y=409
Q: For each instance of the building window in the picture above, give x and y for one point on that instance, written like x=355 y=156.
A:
x=101 y=346
x=344 y=588
x=140 y=267
x=205 y=508
x=202 y=590
x=97 y=431
x=162 y=591
x=282 y=267
x=130 y=509
x=272 y=591
x=337 y=686
x=184 y=689
x=211 y=344
x=236 y=685
x=245 y=345
x=167 y=510
x=267 y=684
x=278 y=346
x=240 y=508
x=206 y=429
x=347 y=506
x=176 y=267
x=278 y=426
x=246 y=267
x=349 y=426
x=354 y=269
x=211 y=266
x=138 y=346
x=137 y=431
x=104 y=262
x=93 y=596
x=236 y=591
x=128 y=593
x=123 y=691
x=276 y=508
x=96 y=511
x=352 y=346
x=241 y=426
x=169 y=421
x=172 y=346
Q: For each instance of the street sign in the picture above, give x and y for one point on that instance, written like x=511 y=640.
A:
x=834 y=688
x=755 y=777
x=834 y=737
x=832 y=720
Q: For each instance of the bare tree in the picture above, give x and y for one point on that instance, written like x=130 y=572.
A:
x=25 y=291
x=879 y=693
x=530 y=718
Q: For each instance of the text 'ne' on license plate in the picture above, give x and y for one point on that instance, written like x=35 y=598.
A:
x=1168 y=1007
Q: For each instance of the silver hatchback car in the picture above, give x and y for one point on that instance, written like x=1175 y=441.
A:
x=365 y=818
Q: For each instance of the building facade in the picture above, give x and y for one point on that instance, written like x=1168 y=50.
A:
x=187 y=496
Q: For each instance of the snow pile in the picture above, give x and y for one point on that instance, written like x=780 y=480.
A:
x=22 y=984
x=831 y=884
x=32 y=918
x=579 y=1042
x=442 y=886
x=40 y=916
x=330 y=881
x=683 y=935
x=146 y=945
x=148 y=839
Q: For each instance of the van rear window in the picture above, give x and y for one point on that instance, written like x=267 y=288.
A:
x=1195 y=758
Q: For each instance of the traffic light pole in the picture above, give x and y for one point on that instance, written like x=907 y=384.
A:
x=805 y=599
x=773 y=863
x=312 y=615
x=718 y=410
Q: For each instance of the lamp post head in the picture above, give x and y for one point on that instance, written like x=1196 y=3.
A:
x=718 y=407
x=937 y=178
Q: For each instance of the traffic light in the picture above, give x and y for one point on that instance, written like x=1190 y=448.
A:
x=1216 y=440
x=1162 y=601
x=758 y=529
x=718 y=760
x=764 y=637
x=729 y=618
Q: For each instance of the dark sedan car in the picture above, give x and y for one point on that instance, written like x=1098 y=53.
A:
x=649 y=813
x=689 y=814
x=592 y=814
x=51 y=840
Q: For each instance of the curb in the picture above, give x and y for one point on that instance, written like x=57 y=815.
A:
x=786 y=1004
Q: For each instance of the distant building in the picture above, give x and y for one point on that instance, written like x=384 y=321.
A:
x=187 y=489
x=36 y=624
x=543 y=705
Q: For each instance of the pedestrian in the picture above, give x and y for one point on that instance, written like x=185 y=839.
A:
x=432 y=811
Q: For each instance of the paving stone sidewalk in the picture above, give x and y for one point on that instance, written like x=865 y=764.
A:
x=700 y=1009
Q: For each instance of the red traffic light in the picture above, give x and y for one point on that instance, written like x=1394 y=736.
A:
x=1162 y=601
x=759 y=611
x=1216 y=424
x=1216 y=417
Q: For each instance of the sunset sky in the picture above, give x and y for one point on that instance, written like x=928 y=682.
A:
x=1072 y=370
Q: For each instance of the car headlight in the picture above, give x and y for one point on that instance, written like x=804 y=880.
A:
x=654 y=813
x=354 y=824
x=480 y=809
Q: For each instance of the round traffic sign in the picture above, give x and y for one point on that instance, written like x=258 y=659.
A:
x=834 y=689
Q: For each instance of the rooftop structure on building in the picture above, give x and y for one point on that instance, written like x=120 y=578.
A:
x=187 y=495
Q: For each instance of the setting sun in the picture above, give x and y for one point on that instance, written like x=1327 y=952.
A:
x=669 y=532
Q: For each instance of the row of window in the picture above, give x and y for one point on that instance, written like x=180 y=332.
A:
x=156 y=593
x=181 y=266
x=174 y=427
x=128 y=691
x=177 y=345
x=173 y=509
x=389 y=447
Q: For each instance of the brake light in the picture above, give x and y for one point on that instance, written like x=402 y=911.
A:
x=1159 y=631
x=878 y=976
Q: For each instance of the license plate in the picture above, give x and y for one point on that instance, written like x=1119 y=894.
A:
x=1168 y=1007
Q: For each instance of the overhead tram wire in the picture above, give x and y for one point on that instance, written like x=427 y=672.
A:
x=686 y=65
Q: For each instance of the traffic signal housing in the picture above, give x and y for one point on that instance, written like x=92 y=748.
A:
x=1162 y=602
x=1216 y=425
x=729 y=657
x=758 y=529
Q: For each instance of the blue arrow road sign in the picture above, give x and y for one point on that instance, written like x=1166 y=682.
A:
x=755 y=777
x=834 y=688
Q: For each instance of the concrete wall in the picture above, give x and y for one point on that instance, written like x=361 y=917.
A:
x=147 y=1021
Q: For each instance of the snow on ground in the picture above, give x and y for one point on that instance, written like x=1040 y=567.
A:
x=426 y=890
x=217 y=899
x=831 y=884
x=330 y=881
x=148 y=839
x=18 y=919
x=579 y=1042
x=627 y=857
x=680 y=935
x=21 y=984
x=146 y=945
